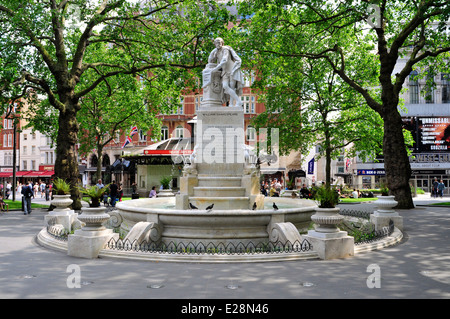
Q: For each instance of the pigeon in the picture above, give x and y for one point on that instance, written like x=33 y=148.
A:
x=254 y=206
x=210 y=207
x=275 y=206
x=192 y=206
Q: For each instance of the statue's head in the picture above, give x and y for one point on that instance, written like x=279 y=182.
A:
x=218 y=42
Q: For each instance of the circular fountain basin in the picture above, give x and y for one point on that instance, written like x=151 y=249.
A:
x=215 y=226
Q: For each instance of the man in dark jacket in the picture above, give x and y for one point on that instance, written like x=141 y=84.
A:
x=27 y=193
x=113 y=192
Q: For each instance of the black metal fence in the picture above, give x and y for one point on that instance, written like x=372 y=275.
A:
x=365 y=238
x=362 y=237
x=57 y=233
x=211 y=248
x=355 y=213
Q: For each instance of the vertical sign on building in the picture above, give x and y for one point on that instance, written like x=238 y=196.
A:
x=311 y=166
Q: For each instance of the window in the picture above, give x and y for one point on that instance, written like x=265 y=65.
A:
x=24 y=150
x=445 y=88
x=251 y=133
x=24 y=165
x=8 y=159
x=179 y=131
x=429 y=91
x=413 y=88
x=249 y=78
x=180 y=109
x=164 y=133
x=252 y=105
x=33 y=149
x=117 y=138
x=33 y=165
x=142 y=136
x=248 y=102
x=7 y=124
x=198 y=103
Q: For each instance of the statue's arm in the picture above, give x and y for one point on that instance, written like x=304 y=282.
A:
x=212 y=56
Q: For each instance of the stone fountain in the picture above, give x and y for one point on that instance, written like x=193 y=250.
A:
x=219 y=200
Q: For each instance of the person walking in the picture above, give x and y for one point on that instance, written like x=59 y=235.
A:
x=435 y=187
x=113 y=192
x=440 y=188
x=120 y=192
x=27 y=194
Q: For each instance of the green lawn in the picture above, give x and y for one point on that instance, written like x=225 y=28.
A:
x=356 y=200
x=442 y=204
x=17 y=205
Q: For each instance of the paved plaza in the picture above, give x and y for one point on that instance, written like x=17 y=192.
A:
x=418 y=267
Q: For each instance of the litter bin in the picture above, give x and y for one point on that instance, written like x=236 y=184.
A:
x=134 y=196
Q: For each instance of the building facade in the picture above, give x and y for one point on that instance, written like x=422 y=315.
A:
x=426 y=114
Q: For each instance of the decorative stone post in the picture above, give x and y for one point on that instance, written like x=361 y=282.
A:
x=61 y=214
x=327 y=239
x=385 y=212
x=93 y=237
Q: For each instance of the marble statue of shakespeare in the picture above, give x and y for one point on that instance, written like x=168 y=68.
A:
x=229 y=63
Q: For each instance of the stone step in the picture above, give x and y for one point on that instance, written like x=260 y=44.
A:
x=218 y=169
x=226 y=181
x=220 y=191
x=227 y=203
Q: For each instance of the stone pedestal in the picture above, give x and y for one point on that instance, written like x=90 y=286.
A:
x=61 y=214
x=385 y=213
x=327 y=239
x=219 y=173
x=212 y=86
x=93 y=237
x=88 y=244
x=331 y=246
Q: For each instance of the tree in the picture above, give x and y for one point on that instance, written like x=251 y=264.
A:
x=413 y=30
x=50 y=42
x=111 y=110
x=308 y=102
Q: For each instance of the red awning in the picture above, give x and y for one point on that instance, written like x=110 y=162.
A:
x=5 y=174
x=167 y=152
x=40 y=174
x=22 y=173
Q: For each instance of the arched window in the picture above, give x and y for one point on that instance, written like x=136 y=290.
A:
x=179 y=132
x=94 y=160
x=106 y=161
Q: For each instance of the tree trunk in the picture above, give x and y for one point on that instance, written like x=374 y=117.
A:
x=66 y=164
x=99 y=160
x=328 y=166
x=396 y=161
